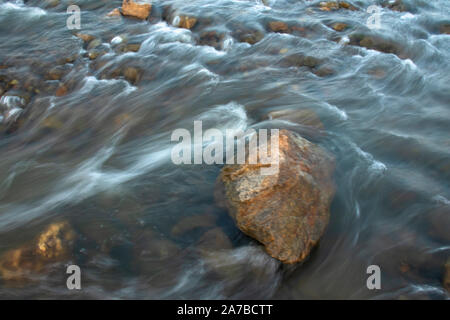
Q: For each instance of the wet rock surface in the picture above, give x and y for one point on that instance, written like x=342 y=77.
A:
x=336 y=5
x=288 y=211
x=53 y=245
x=378 y=43
x=136 y=9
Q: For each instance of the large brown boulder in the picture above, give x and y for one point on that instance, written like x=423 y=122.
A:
x=287 y=211
x=137 y=10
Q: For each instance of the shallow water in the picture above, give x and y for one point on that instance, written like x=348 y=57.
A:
x=97 y=153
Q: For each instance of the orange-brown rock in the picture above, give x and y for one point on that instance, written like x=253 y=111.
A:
x=114 y=13
x=287 y=211
x=211 y=38
x=339 y=26
x=137 y=10
x=278 y=26
x=328 y=6
x=61 y=91
x=54 y=244
x=85 y=37
x=396 y=5
x=332 y=5
x=186 y=22
x=346 y=5
x=132 y=74
x=249 y=36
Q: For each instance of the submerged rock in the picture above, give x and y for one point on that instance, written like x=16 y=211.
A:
x=212 y=39
x=52 y=245
x=300 y=60
x=324 y=71
x=287 y=211
x=132 y=47
x=136 y=10
x=440 y=224
x=193 y=222
x=94 y=44
x=305 y=117
x=132 y=75
x=446 y=281
x=55 y=241
x=339 y=26
x=61 y=91
x=333 y=5
x=185 y=22
x=278 y=26
x=378 y=43
x=328 y=6
x=444 y=29
x=57 y=73
x=114 y=13
x=396 y=5
x=248 y=36
x=85 y=37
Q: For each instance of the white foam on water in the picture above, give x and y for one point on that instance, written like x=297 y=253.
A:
x=407 y=16
x=231 y=117
x=176 y=21
x=13 y=113
x=426 y=289
x=246 y=259
x=116 y=40
x=91 y=82
x=90 y=177
x=11 y=102
x=441 y=199
x=341 y=113
x=162 y=32
x=8 y=7
x=375 y=165
x=409 y=63
x=197 y=69
x=228 y=43
x=344 y=40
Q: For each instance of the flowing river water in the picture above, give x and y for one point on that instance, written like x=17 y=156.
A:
x=85 y=139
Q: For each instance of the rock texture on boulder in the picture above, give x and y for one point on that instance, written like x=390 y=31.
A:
x=288 y=211
x=137 y=10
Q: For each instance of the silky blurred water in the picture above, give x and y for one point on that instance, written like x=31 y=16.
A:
x=99 y=155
